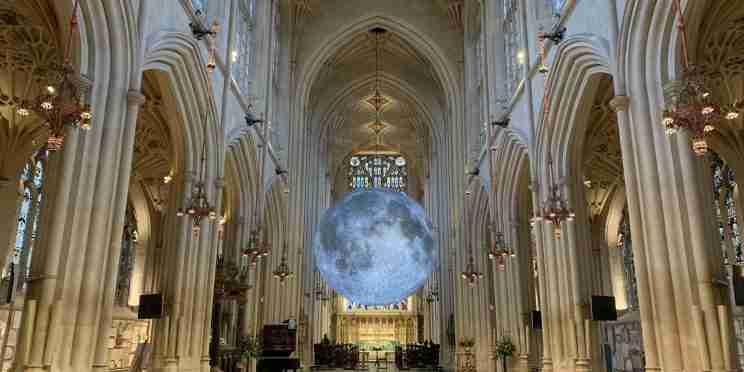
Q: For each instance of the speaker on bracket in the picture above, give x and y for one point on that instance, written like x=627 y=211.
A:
x=150 y=306
x=603 y=308
x=536 y=319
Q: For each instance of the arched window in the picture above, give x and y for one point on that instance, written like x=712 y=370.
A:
x=126 y=258
x=512 y=33
x=401 y=306
x=724 y=185
x=387 y=171
x=32 y=178
x=199 y=5
x=275 y=44
x=242 y=54
x=558 y=6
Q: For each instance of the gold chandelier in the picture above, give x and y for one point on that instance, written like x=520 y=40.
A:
x=689 y=101
x=61 y=93
x=432 y=295
x=198 y=206
x=499 y=248
x=471 y=274
x=282 y=272
x=555 y=209
x=255 y=249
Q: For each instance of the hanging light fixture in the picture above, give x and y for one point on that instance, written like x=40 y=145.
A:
x=555 y=209
x=471 y=275
x=499 y=247
x=198 y=206
x=377 y=100
x=256 y=248
x=282 y=271
x=689 y=102
x=433 y=295
x=320 y=289
x=62 y=101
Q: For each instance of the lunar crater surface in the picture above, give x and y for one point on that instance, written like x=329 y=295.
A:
x=375 y=247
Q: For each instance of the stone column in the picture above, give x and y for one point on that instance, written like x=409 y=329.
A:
x=544 y=292
x=620 y=104
x=41 y=286
x=135 y=99
x=208 y=261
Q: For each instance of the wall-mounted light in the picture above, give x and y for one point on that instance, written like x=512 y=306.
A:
x=521 y=57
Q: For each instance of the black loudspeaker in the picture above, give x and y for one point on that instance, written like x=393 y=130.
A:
x=603 y=308
x=536 y=319
x=738 y=280
x=150 y=306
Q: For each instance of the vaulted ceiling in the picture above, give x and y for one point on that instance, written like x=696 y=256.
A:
x=340 y=95
x=720 y=50
x=602 y=158
x=153 y=148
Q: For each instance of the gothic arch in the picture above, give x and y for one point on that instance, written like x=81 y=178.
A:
x=179 y=57
x=445 y=70
x=579 y=62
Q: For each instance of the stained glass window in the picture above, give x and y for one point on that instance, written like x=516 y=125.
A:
x=400 y=306
x=378 y=171
x=275 y=49
x=242 y=54
x=558 y=6
x=625 y=244
x=512 y=45
x=32 y=178
x=724 y=185
x=126 y=258
x=199 y=5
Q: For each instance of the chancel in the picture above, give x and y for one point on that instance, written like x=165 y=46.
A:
x=388 y=185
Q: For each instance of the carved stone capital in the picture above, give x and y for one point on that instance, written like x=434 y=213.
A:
x=620 y=103
x=135 y=98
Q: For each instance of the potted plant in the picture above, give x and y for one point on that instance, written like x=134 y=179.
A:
x=467 y=344
x=505 y=349
x=250 y=348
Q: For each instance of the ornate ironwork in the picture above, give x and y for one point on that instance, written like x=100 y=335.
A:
x=555 y=209
x=689 y=101
x=52 y=91
x=471 y=275
x=282 y=272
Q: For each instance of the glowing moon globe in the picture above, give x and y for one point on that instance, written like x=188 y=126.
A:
x=375 y=247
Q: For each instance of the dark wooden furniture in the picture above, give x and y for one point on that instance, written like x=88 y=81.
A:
x=424 y=355
x=279 y=342
x=330 y=355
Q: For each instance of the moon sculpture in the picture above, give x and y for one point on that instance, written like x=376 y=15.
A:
x=375 y=247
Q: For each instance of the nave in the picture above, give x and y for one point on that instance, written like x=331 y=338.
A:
x=456 y=185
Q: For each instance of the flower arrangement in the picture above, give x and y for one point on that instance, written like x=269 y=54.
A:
x=251 y=348
x=505 y=348
x=467 y=343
